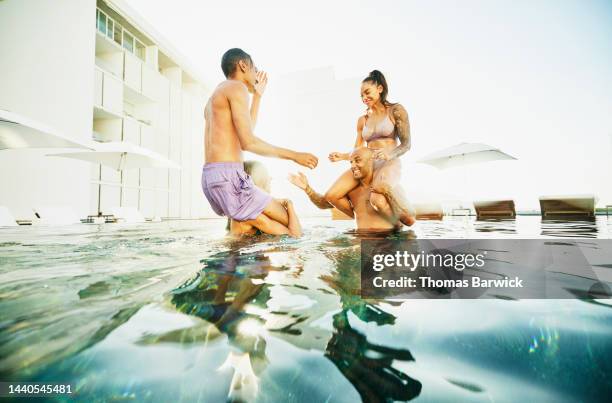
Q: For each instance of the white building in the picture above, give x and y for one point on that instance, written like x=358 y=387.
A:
x=94 y=70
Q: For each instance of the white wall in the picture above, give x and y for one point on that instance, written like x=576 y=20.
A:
x=199 y=205
x=185 y=147
x=176 y=132
x=46 y=73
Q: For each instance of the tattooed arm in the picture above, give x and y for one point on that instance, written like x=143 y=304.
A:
x=317 y=199
x=402 y=130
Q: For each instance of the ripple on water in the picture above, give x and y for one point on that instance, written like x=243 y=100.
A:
x=166 y=310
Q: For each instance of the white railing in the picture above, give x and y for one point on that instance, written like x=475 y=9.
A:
x=115 y=32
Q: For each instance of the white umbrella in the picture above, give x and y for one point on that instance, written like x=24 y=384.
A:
x=121 y=155
x=17 y=131
x=464 y=154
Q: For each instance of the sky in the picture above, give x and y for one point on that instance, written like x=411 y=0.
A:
x=529 y=77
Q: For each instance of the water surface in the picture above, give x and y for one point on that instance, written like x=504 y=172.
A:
x=174 y=311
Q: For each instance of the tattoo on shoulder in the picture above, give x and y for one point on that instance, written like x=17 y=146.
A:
x=402 y=128
x=399 y=113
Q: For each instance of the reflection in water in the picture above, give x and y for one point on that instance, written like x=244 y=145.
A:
x=231 y=284
x=218 y=295
x=504 y=226
x=281 y=320
x=527 y=227
x=369 y=367
x=569 y=228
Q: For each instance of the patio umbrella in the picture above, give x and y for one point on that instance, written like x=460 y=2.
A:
x=17 y=131
x=120 y=155
x=464 y=154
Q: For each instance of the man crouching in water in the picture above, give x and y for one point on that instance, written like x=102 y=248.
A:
x=229 y=131
x=259 y=174
x=388 y=218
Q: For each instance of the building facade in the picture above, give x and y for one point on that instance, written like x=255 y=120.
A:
x=94 y=70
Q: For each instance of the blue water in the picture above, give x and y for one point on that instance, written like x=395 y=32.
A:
x=174 y=311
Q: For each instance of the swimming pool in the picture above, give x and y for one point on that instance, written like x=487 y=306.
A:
x=173 y=311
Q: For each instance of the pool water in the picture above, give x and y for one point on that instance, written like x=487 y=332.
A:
x=174 y=311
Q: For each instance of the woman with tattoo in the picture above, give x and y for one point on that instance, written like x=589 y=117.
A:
x=381 y=128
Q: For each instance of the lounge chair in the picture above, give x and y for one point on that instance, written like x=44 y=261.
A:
x=428 y=211
x=495 y=209
x=99 y=219
x=55 y=215
x=127 y=214
x=6 y=218
x=568 y=206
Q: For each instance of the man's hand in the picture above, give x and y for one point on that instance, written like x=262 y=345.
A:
x=336 y=156
x=262 y=81
x=300 y=180
x=306 y=159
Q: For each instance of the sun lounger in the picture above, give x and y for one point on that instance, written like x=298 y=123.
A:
x=429 y=211
x=99 y=219
x=55 y=215
x=567 y=206
x=127 y=214
x=494 y=209
x=6 y=218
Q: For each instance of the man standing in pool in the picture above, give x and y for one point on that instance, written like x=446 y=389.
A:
x=229 y=131
x=391 y=212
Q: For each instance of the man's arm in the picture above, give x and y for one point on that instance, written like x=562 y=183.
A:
x=260 y=87
x=238 y=98
x=317 y=199
x=255 y=108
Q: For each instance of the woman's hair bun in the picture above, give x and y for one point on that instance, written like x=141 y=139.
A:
x=378 y=78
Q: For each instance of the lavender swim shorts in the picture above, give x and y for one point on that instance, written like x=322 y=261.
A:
x=231 y=191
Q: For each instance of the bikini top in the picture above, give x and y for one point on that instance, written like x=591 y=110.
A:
x=383 y=129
